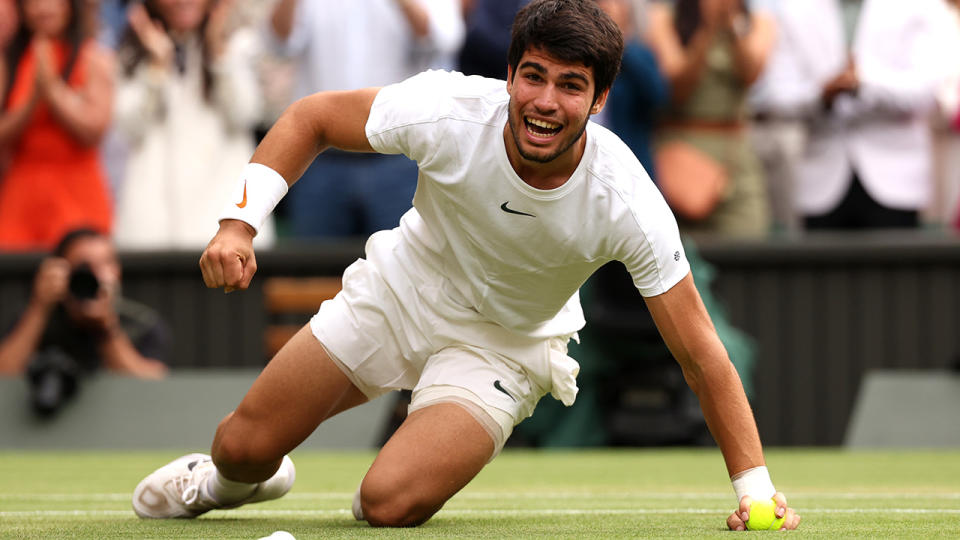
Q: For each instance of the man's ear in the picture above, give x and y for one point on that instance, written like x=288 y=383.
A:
x=509 y=77
x=600 y=102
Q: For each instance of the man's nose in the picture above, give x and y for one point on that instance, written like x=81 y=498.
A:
x=547 y=99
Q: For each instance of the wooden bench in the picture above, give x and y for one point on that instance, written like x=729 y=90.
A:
x=290 y=302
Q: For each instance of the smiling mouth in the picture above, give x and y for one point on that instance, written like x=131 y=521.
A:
x=541 y=129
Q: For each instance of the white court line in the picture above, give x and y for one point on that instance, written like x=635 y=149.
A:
x=481 y=513
x=484 y=495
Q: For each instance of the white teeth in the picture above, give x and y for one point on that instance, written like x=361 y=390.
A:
x=543 y=124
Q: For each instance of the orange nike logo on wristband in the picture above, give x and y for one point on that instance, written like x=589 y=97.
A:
x=243 y=203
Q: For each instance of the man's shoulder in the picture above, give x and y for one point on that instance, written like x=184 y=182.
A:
x=612 y=158
x=615 y=168
x=438 y=97
x=437 y=84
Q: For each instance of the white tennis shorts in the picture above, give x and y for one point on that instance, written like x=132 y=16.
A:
x=426 y=339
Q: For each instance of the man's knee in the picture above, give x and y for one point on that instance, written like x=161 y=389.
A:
x=238 y=443
x=391 y=505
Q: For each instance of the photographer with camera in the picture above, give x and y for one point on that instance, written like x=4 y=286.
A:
x=77 y=322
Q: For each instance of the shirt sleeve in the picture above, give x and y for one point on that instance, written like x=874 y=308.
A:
x=652 y=249
x=406 y=117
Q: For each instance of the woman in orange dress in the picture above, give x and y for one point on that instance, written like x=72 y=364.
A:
x=56 y=90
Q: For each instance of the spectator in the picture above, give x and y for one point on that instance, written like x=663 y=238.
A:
x=487 y=38
x=56 y=107
x=9 y=20
x=868 y=161
x=187 y=102
x=110 y=20
x=782 y=100
x=640 y=90
x=946 y=200
x=344 y=46
x=711 y=52
x=76 y=323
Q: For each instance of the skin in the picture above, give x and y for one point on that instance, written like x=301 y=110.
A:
x=302 y=386
x=683 y=65
x=845 y=82
x=561 y=94
x=180 y=19
x=621 y=12
x=9 y=20
x=97 y=315
x=84 y=112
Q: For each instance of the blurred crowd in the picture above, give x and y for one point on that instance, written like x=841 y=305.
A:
x=754 y=117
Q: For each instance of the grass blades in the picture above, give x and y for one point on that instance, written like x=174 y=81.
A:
x=606 y=494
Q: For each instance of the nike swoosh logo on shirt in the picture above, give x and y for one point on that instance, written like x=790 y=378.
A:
x=243 y=203
x=512 y=211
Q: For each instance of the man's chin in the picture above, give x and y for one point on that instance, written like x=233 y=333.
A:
x=538 y=155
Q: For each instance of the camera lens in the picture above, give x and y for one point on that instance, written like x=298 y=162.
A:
x=83 y=283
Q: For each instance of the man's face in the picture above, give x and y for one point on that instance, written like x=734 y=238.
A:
x=550 y=103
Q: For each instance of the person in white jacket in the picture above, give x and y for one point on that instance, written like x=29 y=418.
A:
x=187 y=102
x=868 y=159
x=347 y=45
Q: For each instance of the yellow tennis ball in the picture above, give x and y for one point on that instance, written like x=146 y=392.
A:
x=762 y=516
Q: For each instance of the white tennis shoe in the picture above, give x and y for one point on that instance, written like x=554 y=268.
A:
x=179 y=488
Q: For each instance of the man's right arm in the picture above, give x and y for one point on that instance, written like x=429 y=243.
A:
x=311 y=125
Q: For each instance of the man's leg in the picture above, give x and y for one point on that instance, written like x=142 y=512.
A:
x=300 y=388
x=434 y=453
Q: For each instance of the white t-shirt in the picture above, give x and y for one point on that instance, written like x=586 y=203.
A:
x=517 y=255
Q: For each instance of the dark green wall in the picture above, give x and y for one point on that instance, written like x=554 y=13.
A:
x=822 y=308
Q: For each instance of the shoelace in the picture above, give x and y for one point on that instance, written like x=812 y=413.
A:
x=189 y=484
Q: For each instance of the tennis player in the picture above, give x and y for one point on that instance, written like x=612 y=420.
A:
x=470 y=302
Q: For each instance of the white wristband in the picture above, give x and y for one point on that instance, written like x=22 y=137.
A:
x=257 y=193
x=754 y=482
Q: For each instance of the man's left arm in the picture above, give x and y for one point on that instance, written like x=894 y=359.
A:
x=686 y=328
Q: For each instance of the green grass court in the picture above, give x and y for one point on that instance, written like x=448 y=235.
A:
x=522 y=494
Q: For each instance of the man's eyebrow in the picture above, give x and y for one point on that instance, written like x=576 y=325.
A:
x=534 y=65
x=542 y=70
x=574 y=75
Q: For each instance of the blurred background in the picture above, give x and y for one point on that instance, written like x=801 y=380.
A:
x=809 y=148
